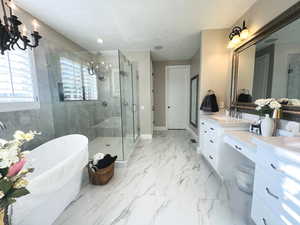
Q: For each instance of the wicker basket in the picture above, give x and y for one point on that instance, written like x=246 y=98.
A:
x=101 y=176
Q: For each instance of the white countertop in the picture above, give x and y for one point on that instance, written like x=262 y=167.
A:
x=284 y=146
x=287 y=147
x=225 y=121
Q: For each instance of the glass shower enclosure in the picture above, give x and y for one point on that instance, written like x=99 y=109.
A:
x=118 y=126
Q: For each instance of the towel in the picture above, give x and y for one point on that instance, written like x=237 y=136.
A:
x=247 y=98
x=210 y=104
x=106 y=161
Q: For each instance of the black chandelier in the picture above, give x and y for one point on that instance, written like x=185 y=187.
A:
x=10 y=35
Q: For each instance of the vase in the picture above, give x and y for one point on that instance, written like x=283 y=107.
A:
x=4 y=220
x=267 y=126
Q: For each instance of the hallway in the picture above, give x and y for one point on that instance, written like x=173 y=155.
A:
x=166 y=182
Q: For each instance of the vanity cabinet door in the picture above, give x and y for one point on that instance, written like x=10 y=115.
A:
x=262 y=215
x=280 y=194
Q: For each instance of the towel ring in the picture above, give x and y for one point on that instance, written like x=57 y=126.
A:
x=210 y=92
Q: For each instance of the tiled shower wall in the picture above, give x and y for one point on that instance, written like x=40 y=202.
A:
x=55 y=118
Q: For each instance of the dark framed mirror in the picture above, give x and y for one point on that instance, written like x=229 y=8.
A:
x=194 y=101
x=268 y=66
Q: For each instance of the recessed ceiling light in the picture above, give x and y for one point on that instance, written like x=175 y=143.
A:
x=158 y=47
x=100 y=41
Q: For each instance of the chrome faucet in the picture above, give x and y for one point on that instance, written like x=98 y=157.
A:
x=235 y=114
x=2 y=126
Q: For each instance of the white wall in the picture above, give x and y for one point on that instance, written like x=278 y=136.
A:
x=143 y=59
x=214 y=64
x=263 y=12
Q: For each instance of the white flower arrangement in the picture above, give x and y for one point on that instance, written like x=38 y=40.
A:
x=12 y=175
x=267 y=106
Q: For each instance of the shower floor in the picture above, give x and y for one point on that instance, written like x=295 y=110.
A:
x=106 y=145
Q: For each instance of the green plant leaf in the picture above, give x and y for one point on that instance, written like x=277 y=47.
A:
x=5 y=202
x=5 y=185
x=17 y=193
x=4 y=171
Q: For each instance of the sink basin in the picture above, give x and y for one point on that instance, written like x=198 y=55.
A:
x=226 y=118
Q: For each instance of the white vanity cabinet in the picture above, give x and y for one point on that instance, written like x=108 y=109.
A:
x=211 y=140
x=276 y=187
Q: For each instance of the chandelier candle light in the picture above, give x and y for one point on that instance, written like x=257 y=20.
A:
x=10 y=35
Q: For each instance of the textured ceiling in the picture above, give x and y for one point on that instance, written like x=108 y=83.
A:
x=138 y=24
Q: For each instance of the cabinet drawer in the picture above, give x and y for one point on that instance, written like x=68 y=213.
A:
x=211 y=158
x=262 y=215
x=281 y=195
x=277 y=165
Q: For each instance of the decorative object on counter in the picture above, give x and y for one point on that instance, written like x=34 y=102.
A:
x=101 y=168
x=237 y=35
x=267 y=107
x=277 y=114
x=256 y=128
x=210 y=103
x=10 y=34
x=267 y=126
x=12 y=182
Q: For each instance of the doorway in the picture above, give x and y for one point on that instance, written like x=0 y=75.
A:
x=177 y=104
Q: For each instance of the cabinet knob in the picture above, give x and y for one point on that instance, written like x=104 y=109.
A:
x=264 y=221
x=211 y=141
x=238 y=148
x=271 y=194
x=273 y=166
x=211 y=157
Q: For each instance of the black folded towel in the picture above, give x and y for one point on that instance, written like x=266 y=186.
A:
x=247 y=98
x=106 y=161
x=210 y=104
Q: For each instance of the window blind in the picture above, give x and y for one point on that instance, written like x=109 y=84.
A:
x=90 y=85
x=16 y=80
x=71 y=79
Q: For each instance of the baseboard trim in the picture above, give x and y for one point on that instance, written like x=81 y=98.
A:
x=160 y=128
x=146 y=136
x=192 y=133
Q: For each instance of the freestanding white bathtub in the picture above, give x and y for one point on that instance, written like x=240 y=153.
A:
x=56 y=181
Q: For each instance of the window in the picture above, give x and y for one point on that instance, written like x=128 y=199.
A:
x=17 y=84
x=78 y=84
x=71 y=79
x=90 y=85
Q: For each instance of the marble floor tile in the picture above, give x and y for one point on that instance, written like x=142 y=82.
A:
x=165 y=183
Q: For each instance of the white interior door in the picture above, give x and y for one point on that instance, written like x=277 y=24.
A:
x=176 y=96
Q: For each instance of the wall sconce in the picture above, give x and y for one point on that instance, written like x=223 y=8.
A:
x=237 y=35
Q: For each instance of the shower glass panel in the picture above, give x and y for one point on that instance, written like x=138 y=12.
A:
x=127 y=105
x=84 y=93
x=108 y=127
x=135 y=88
